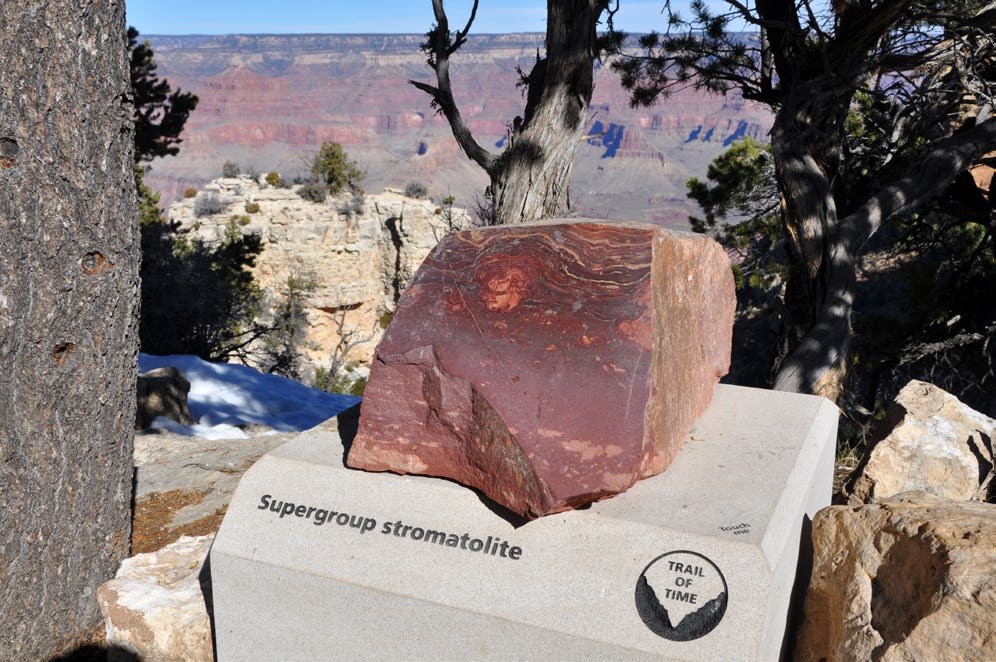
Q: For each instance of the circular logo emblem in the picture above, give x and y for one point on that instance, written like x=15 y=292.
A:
x=681 y=596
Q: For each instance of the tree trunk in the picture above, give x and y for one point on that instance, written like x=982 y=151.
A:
x=817 y=364
x=810 y=215
x=531 y=180
x=68 y=318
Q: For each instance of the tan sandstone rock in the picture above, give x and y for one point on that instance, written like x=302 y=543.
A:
x=360 y=252
x=155 y=606
x=910 y=578
x=929 y=441
x=549 y=364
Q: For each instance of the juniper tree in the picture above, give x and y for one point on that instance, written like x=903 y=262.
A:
x=530 y=179
x=925 y=67
x=160 y=112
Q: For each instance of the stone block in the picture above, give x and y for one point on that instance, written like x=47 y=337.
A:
x=912 y=577
x=512 y=345
x=314 y=560
x=155 y=606
x=162 y=392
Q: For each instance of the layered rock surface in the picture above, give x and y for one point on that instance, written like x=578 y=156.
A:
x=270 y=100
x=549 y=365
x=358 y=252
x=909 y=578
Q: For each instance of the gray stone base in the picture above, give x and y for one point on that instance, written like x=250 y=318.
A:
x=697 y=563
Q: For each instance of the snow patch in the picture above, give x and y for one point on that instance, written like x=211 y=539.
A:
x=225 y=396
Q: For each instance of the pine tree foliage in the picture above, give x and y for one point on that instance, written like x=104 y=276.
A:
x=160 y=112
x=287 y=339
x=333 y=168
x=197 y=298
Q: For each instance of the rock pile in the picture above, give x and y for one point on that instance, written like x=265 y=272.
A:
x=156 y=606
x=928 y=441
x=912 y=577
x=905 y=570
x=162 y=392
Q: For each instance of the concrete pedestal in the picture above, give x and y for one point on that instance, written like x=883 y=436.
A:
x=315 y=561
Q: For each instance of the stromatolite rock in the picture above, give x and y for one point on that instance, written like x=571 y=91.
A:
x=549 y=365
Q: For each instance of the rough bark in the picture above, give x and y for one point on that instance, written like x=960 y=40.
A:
x=68 y=317
x=530 y=179
x=919 y=66
x=809 y=212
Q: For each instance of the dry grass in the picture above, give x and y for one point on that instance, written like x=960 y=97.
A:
x=150 y=523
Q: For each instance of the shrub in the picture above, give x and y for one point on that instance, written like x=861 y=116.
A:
x=207 y=204
x=198 y=298
x=274 y=179
x=352 y=206
x=313 y=192
x=230 y=169
x=242 y=219
x=284 y=345
x=416 y=190
x=346 y=382
x=190 y=193
x=252 y=207
x=333 y=167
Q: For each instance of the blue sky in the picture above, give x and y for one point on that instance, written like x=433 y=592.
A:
x=369 y=16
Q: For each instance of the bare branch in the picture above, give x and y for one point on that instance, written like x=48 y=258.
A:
x=439 y=45
x=461 y=36
x=743 y=12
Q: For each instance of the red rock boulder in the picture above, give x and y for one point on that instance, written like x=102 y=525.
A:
x=549 y=365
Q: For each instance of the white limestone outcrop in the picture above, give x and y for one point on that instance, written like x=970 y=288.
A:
x=359 y=251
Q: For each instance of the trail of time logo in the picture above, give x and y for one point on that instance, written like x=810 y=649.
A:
x=681 y=596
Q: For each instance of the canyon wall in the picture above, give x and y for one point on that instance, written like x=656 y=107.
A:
x=269 y=101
